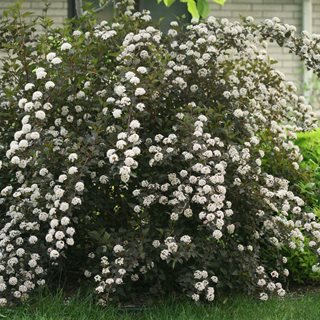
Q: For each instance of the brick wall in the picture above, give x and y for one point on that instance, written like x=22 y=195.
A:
x=316 y=16
x=289 y=11
x=58 y=8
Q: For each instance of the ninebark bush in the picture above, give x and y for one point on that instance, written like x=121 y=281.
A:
x=138 y=158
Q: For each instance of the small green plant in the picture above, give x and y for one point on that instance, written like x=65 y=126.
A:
x=197 y=8
x=309 y=144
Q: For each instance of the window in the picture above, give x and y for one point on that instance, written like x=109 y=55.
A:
x=104 y=10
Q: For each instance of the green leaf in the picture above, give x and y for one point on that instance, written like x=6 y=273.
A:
x=203 y=8
x=221 y=2
x=192 y=8
x=26 y=14
x=169 y=3
x=159 y=1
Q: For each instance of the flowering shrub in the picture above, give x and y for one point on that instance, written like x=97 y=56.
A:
x=137 y=158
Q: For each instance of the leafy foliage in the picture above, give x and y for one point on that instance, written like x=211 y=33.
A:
x=197 y=8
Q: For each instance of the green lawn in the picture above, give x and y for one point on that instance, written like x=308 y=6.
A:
x=293 y=307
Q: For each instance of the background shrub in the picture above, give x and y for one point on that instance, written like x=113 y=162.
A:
x=301 y=261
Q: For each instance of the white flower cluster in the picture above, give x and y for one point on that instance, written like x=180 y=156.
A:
x=202 y=285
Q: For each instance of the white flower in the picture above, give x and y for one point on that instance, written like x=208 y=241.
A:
x=142 y=70
x=28 y=106
x=56 y=60
x=41 y=115
x=140 y=106
x=34 y=135
x=60 y=244
x=281 y=292
x=15 y=160
x=140 y=92
x=129 y=75
x=172 y=247
x=22 y=102
x=118 y=248
x=200 y=286
x=79 y=186
x=109 y=281
x=49 y=85
x=87 y=274
x=120 y=90
x=77 y=33
x=70 y=231
x=76 y=200
x=116 y=113
x=50 y=56
x=65 y=221
x=49 y=237
x=134 y=124
x=156 y=243
x=37 y=95
x=135 y=80
x=186 y=239
x=188 y=213
x=73 y=157
x=65 y=46
x=195 y=297
x=43 y=172
x=238 y=113
x=59 y=235
x=217 y=234
x=113 y=158
x=263 y=296
x=180 y=115
x=129 y=161
x=103 y=179
x=261 y=282
x=164 y=254
x=203 y=118
x=62 y=178
x=72 y=170
x=54 y=254
x=13 y=281
x=40 y=73
x=54 y=223
x=28 y=87
x=3 y=302
x=64 y=206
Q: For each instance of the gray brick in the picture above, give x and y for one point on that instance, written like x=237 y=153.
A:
x=58 y=9
x=267 y=7
x=292 y=7
x=238 y=15
x=279 y=14
x=241 y=7
x=57 y=12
